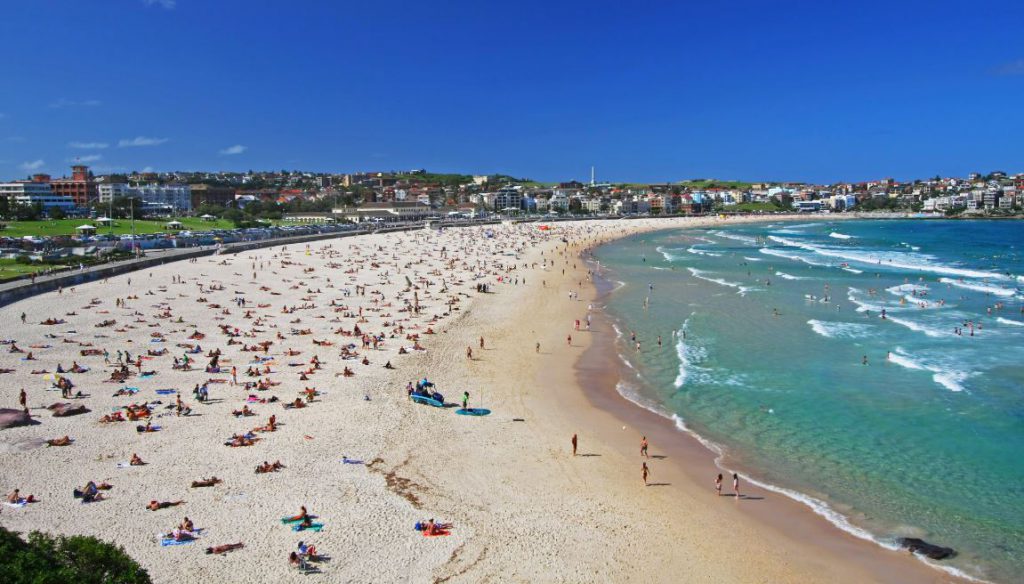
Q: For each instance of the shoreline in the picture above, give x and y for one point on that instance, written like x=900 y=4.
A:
x=524 y=509
x=800 y=517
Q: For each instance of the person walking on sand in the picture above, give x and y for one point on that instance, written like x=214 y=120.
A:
x=537 y=348
x=23 y=399
x=574 y=442
x=465 y=400
x=481 y=343
x=718 y=484
x=568 y=340
x=646 y=471
x=469 y=353
x=736 y=484
x=643 y=447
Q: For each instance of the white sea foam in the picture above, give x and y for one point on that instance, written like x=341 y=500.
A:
x=752 y=259
x=701 y=274
x=889 y=259
x=786 y=276
x=862 y=306
x=837 y=235
x=979 y=286
x=736 y=237
x=905 y=288
x=921 y=328
x=852 y=270
x=949 y=378
x=790 y=256
x=840 y=330
x=697 y=251
x=1009 y=321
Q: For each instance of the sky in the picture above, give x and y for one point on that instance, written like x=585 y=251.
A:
x=645 y=91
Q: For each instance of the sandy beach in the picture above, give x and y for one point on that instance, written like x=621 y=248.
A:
x=363 y=458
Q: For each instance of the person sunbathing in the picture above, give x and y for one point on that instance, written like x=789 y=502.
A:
x=245 y=411
x=136 y=461
x=15 y=498
x=62 y=441
x=155 y=505
x=238 y=440
x=267 y=467
x=187 y=525
x=89 y=493
x=307 y=551
x=206 y=482
x=223 y=549
x=178 y=534
x=114 y=417
x=303 y=514
x=348 y=372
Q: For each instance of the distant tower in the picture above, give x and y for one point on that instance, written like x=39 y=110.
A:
x=592 y=179
x=80 y=173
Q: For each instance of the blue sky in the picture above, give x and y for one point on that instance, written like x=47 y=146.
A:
x=643 y=90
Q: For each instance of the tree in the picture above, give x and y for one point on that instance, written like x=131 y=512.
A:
x=56 y=213
x=58 y=560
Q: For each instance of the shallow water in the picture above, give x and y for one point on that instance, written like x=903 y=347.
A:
x=765 y=330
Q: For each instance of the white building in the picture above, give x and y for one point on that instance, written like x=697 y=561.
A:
x=30 y=193
x=178 y=197
x=508 y=198
x=110 y=191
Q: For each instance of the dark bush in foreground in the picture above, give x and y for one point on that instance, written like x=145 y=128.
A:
x=44 y=559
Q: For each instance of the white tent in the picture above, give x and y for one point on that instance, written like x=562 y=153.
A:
x=85 y=229
x=173 y=225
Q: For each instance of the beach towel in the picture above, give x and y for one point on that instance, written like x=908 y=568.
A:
x=289 y=520
x=17 y=505
x=125 y=464
x=347 y=460
x=437 y=533
x=147 y=374
x=167 y=391
x=315 y=527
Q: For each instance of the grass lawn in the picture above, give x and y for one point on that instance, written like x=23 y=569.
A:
x=121 y=226
x=12 y=269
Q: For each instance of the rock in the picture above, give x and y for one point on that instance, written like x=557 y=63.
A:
x=13 y=418
x=920 y=546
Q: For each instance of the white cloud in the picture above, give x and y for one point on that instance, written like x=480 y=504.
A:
x=1011 y=68
x=236 y=149
x=165 y=4
x=34 y=165
x=148 y=169
x=140 y=141
x=86 y=158
x=88 y=145
x=65 y=102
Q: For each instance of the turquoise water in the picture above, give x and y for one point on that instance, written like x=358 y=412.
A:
x=765 y=330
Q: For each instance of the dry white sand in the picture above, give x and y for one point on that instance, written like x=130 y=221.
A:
x=523 y=509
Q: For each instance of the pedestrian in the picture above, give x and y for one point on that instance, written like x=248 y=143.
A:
x=718 y=484
x=469 y=353
x=574 y=445
x=465 y=400
x=736 y=484
x=646 y=471
x=23 y=399
x=537 y=349
x=643 y=447
x=568 y=340
x=481 y=343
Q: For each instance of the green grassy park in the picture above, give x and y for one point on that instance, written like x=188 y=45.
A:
x=57 y=227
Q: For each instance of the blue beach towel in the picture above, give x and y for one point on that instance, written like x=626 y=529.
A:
x=314 y=527
x=167 y=391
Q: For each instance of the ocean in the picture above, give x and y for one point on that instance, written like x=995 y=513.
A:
x=872 y=369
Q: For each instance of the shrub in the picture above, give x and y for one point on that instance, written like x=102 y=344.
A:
x=45 y=559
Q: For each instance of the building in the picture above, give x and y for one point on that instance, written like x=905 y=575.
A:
x=385 y=212
x=80 y=187
x=508 y=198
x=177 y=197
x=211 y=195
x=108 y=191
x=34 y=192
